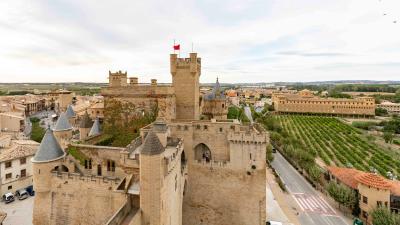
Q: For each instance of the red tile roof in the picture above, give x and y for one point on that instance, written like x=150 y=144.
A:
x=352 y=177
x=373 y=180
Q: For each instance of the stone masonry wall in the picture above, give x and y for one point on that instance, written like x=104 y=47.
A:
x=221 y=196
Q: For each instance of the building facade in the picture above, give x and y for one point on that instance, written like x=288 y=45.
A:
x=306 y=102
x=393 y=108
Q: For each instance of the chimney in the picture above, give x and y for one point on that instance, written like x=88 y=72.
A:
x=153 y=82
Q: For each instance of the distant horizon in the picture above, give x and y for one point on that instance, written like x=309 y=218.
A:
x=238 y=41
x=261 y=82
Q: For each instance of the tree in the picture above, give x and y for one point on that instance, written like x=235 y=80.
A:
x=269 y=154
x=123 y=120
x=342 y=194
x=388 y=136
x=383 y=216
x=37 y=131
x=381 y=112
x=314 y=172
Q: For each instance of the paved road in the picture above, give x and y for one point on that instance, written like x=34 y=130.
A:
x=314 y=209
x=18 y=212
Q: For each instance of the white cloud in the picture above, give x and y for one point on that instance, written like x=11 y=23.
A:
x=239 y=41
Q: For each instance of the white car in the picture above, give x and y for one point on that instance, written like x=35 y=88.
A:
x=273 y=223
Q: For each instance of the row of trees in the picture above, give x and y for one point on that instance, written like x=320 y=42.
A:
x=291 y=147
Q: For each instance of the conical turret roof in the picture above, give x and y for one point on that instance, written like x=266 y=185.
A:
x=86 y=122
x=216 y=92
x=49 y=149
x=62 y=123
x=70 y=112
x=95 y=128
x=152 y=145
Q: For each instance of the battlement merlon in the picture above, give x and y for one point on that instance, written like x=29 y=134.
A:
x=248 y=137
x=193 y=63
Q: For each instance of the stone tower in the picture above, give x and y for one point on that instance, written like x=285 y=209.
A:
x=215 y=106
x=48 y=158
x=85 y=126
x=151 y=179
x=185 y=79
x=118 y=79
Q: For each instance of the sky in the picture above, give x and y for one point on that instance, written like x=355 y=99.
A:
x=238 y=40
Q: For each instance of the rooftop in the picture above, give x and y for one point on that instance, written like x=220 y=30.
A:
x=49 y=149
x=152 y=145
x=17 y=151
x=62 y=123
x=352 y=177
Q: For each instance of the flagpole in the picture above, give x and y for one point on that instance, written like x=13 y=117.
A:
x=174 y=46
x=192 y=47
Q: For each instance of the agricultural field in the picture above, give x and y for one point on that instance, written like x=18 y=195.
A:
x=339 y=144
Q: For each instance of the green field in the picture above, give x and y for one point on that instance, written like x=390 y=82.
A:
x=337 y=143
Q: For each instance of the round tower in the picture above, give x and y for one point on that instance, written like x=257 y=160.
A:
x=63 y=130
x=48 y=158
x=84 y=126
x=151 y=167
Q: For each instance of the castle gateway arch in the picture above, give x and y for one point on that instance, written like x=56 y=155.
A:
x=202 y=152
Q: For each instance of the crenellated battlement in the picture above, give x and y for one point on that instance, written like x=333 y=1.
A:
x=76 y=177
x=247 y=137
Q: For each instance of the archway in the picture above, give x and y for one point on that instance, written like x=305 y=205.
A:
x=61 y=168
x=202 y=152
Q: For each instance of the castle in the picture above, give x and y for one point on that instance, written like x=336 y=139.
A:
x=180 y=170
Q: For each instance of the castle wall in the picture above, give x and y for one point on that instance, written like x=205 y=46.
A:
x=145 y=97
x=224 y=197
x=77 y=200
x=100 y=155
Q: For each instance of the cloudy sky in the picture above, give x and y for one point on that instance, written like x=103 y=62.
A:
x=238 y=40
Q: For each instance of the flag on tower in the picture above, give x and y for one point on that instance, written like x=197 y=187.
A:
x=177 y=47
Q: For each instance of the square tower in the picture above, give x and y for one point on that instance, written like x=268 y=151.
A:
x=185 y=79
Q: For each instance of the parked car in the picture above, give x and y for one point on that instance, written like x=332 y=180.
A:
x=273 y=223
x=8 y=197
x=30 y=190
x=21 y=194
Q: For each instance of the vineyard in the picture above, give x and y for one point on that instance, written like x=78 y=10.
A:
x=337 y=143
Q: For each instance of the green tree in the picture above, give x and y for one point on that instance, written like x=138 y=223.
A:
x=383 y=216
x=388 y=136
x=269 y=154
x=37 y=131
x=342 y=194
x=381 y=112
x=123 y=121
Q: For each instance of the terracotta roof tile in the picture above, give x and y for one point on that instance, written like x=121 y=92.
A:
x=352 y=177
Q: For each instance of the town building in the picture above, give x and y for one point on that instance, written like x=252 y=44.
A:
x=306 y=102
x=373 y=190
x=15 y=164
x=180 y=170
x=392 y=108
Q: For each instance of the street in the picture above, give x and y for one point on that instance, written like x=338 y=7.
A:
x=314 y=209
